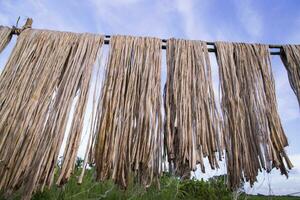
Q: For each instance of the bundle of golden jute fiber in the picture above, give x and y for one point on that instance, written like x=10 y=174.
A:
x=128 y=133
x=46 y=71
x=192 y=121
x=5 y=37
x=254 y=138
x=291 y=60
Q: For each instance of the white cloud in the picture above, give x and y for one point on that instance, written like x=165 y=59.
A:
x=134 y=17
x=249 y=18
x=273 y=183
x=287 y=102
x=185 y=8
x=293 y=36
x=44 y=14
x=4 y=20
x=277 y=184
x=193 y=22
x=119 y=2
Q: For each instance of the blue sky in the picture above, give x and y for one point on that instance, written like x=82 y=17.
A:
x=273 y=22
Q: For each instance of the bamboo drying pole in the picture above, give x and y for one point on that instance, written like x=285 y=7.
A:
x=211 y=49
x=28 y=24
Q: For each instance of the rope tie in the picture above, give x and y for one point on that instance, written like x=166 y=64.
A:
x=27 y=25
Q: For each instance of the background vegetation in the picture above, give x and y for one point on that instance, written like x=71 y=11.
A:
x=170 y=188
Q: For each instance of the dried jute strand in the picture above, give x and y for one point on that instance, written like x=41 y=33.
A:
x=254 y=137
x=192 y=122
x=41 y=79
x=290 y=56
x=5 y=37
x=128 y=133
x=49 y=73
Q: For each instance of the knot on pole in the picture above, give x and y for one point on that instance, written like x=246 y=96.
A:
x=28 y=24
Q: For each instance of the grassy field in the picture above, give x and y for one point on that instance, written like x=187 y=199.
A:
x=170 y=188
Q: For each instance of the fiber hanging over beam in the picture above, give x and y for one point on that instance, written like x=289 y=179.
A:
x=254 y=137
x=192 y=122
x=43 y=75
x=291 y=59
x=129 y=131
x=49 y=72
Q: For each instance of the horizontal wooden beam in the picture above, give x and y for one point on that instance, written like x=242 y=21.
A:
x=210 y=49
x=28 y=24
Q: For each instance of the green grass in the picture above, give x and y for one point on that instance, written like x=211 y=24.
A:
x=170 y=188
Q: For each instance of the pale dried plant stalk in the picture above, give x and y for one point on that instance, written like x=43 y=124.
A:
x=44 y=73
x=254 y=137
x=291 y=60
x=128 y=132
x=192 y=121
x=5 y=37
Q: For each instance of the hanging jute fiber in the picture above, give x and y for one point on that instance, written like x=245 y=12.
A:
x=38 y=85
x=44 y=89
x=192 y=121
x=129 y=139
x=291 y=60
x=253 y=137
x=5 y=37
